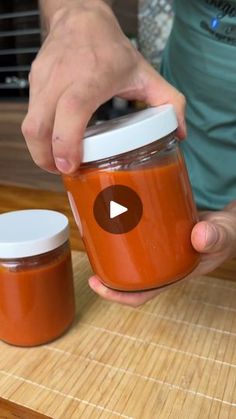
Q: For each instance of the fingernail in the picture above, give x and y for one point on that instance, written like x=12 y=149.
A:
x=211 y=236
x=63 y=165
x=93 y=282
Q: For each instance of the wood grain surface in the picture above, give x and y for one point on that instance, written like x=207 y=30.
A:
x=172 y=358
x=9 y=410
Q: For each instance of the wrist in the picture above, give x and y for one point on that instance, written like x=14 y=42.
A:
x=52 y=10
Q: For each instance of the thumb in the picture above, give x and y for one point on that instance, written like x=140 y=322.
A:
x=209 y=237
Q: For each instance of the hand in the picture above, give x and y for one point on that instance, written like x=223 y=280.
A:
x=84 y=61
x=214 y=236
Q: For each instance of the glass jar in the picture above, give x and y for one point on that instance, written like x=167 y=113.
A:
x=133 y=203
x=36 y=280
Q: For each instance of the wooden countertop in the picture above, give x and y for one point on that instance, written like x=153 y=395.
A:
x=121 y=359
x=16 y=166
x=173 y=357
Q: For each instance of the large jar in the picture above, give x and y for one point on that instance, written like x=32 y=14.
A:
x=133 y=203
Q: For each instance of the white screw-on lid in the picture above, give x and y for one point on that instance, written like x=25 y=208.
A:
x=31 y=232
x=127 y=133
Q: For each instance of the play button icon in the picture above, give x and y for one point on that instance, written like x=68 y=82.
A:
x=117 y=209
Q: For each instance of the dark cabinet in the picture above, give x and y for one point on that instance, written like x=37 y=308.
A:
x=19 y=42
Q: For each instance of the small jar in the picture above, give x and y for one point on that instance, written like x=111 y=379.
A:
x=36 y=280
x=133 y=203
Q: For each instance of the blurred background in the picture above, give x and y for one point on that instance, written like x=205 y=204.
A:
x=20 y=39
x=20 y=35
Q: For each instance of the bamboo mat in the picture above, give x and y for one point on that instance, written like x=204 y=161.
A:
x=175 y=357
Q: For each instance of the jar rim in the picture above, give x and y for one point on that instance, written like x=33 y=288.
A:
x=127 y=133
x=31 y=232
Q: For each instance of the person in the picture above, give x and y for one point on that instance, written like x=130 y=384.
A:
x=86 y=59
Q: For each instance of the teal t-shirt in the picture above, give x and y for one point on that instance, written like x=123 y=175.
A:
x=200 y=60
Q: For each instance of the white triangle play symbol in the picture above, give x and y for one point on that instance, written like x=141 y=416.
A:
x=116 y=209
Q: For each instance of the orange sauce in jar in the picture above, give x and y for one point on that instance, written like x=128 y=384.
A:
x=36 y=292
x=158 y=250
x=134 y=205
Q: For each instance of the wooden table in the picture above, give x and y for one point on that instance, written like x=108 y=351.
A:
x=174 y=358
